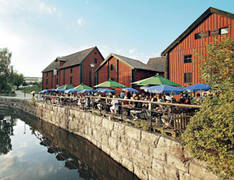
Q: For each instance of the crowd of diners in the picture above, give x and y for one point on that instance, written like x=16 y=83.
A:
x=133 y=105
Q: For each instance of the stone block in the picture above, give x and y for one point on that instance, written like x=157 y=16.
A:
x=171 y=172
x=116 y=156
x=171 y=146
x=109 y=125
x=159 y=154
x=141 y=172
x=198 y=170
x=114 y=134
x=157 y=167
x=133 y=133
x=175 y=162
x=113 y=143
x=143 y=147
x=185 y=176
x=150 y=138
x=123 y=149
x=106 y=149
x=128 y=164
x=119 y=127
x=104 y=140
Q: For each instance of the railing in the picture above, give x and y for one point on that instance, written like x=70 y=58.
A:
x=165 y=118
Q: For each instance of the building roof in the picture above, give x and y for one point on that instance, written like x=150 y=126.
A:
x=135 y=64
x=52 y=66
x=158 y=63
x=196 y=23
x=70 y=60
x=75 y=58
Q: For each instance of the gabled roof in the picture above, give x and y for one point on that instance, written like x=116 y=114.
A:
x=52 y=66
x=70 y=60
x=135 y=64
x=196 y=23
x=75 y=58
x=158 y=63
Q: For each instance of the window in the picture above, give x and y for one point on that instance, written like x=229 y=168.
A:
x=188 y=58
x=223 y=30
x=57 y=81
x=112 y=67
x=71 y=70
x=71 y=80
x=95 y=60
x=47 y=74
x=188 y=77
x=46 y=81
x=198 y=36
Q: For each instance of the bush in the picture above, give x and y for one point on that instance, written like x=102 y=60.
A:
x=209 y=136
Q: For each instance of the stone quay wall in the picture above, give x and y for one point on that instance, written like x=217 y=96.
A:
x=149 y=156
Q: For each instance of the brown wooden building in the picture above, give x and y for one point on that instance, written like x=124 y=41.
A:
x=158 y=63
x=123 y=70
x=73 y=69
x=182 y=63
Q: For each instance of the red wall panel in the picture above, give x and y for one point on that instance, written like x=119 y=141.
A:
x=196 y=47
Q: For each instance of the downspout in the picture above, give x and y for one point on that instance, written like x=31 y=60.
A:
x=166 y=67
x=81 y=70
x=107 y=70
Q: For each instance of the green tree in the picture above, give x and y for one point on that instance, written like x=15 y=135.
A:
x=5 y=69
x=209 y=136
x=17 y=79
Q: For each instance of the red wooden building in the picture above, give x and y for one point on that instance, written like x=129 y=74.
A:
x=123 y=70
x=182 y=63
x=73 y=69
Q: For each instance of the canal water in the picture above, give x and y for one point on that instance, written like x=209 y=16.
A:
x=31 y=149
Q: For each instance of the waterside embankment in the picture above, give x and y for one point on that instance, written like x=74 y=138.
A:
x=148 y=155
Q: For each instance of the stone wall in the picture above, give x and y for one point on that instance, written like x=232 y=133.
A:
x=149 y=156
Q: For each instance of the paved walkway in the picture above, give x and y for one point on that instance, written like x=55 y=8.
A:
x=20 y=95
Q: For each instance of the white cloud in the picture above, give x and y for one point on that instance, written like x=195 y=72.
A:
x=16 y=7
x=46 y=8
x=80 y=21
x=31 y=50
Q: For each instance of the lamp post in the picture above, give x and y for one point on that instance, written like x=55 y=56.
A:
x=92 y=66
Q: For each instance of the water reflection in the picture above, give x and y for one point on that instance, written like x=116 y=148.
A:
x=6 y=130
x=51 y=153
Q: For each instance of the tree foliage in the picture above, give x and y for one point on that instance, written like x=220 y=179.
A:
x=5 y=68
x=8 y=77
x=209 y=136
x=17 y=79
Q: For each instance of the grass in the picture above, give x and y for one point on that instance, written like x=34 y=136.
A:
x=28 y=90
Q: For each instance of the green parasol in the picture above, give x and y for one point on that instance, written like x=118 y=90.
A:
x=110 y=83
x=82 y=87
x=65 y=87
x=156 y=80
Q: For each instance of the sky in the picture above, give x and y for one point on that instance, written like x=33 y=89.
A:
x=38 y=31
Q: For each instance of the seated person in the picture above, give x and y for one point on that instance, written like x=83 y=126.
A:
x=115 y=105
x=99 y=102
x=87 y=102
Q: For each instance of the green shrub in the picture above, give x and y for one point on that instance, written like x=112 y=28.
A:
x=209 y=136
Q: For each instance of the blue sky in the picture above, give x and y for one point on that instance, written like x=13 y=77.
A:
x=37 y=31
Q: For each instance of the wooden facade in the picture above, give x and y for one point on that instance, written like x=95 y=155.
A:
x=123 y=70
x=184 y=54
x=73 y=69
